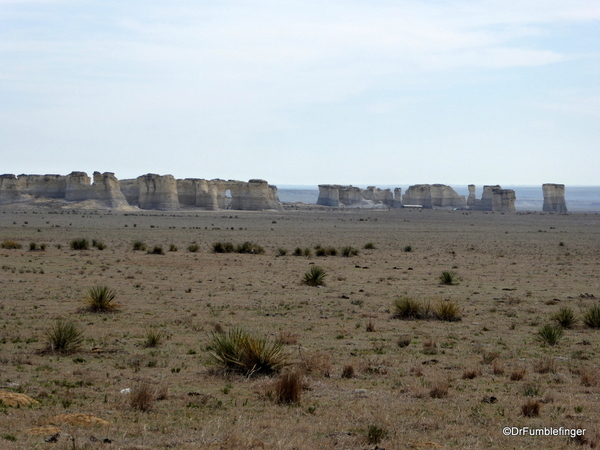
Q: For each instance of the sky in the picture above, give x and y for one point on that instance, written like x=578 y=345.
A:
x=377 y=92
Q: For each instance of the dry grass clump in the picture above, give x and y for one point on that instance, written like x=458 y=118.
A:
x=287 y=338
x=153 y=338
x=439 y=390
x=156 y=250
x=100 y=299
x=469 y=374
x=315 y=276
x=80 y=244
x=142 y=396
x=139 y=246
x=288 y=388
x=403 y=341
x=325 y=251
x=376 y=434
x=222 y=247
x=518 y=374
x=238 y=351
x=348 y=371
x=589 y=377
x=531 y=408
x=249 y=247
x=348 y=251
x=9 y=244
x=545 y=365
x=497 y=367
x=447 y=311
x=408 y=308
x=64 y=337
x=316 y=363
x=370 y=328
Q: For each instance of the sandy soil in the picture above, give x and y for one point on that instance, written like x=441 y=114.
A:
x=515 y=271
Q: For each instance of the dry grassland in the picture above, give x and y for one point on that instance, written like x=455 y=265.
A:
x=367 y=379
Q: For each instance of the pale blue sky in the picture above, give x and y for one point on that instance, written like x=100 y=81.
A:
x=352 y=92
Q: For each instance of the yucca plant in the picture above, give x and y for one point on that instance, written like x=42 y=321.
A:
x=64 y=337
x=448 y=277
x=408 y=308
x=565 y=317
x=240 y=352
x=369 y=246
x=408 y=248
x=592 y=317
x=193 y=248
x=447 y=311
x=100 y=299
x=549 y=334
x=157 y=250
x=349 y=251
x=315 y=276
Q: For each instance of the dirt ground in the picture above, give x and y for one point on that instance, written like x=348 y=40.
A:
x=454 y=385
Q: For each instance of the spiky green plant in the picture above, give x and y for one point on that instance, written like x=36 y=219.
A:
x=64 y=337
x=549 y=334
x=369 y=246
x=193 y=248
x=241 y=352
x=173 y=248
x=281 y=251
x=153 y=338
x=408 y=308
x=156 y=250
x=408 y=248
x=592 y=317
x=80 y=244
x=349 y=251
x=447 y=311
x=565 y=317
x=448 y=277
x=100 y=299
x=297 y=251
x=315 y=276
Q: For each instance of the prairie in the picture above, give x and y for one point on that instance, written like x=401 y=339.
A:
x=368 y=376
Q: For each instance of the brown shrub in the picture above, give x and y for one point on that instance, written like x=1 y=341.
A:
x=287 y=338
x=142 y=396
x=316 y=363
x=497 y=367
x=288 y=388
x=518 y=374
x=531 y=408
x=471 y=373
x=348 y=371
x=588 y=377
x=545 y=365
x=439 y=390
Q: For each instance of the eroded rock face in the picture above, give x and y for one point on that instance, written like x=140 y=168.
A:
x=376 y=195
x=494 y=198
x=10 y=191
x=329 y=195
x=149 y=191
x=471 y=199
x=554 y=198
x=503 y=200
x=158 y=192
x=397 y=202
x=418 y=194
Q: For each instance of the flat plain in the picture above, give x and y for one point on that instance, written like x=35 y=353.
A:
x=369 y=379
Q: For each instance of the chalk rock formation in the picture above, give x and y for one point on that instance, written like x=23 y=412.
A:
x=503 y=200
x=397 y=202
x=9 y=189
x=158 y=192
x=494 y=198
x=131 y=190
x=28 y=187
x=472 y=199
x=445 y=196
x=418 y=194
x=255 y=195
x=329 y=195
x=554 y=198
x=105 y=189
x=430 y=195
x=353 y=197
x=376 y=195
